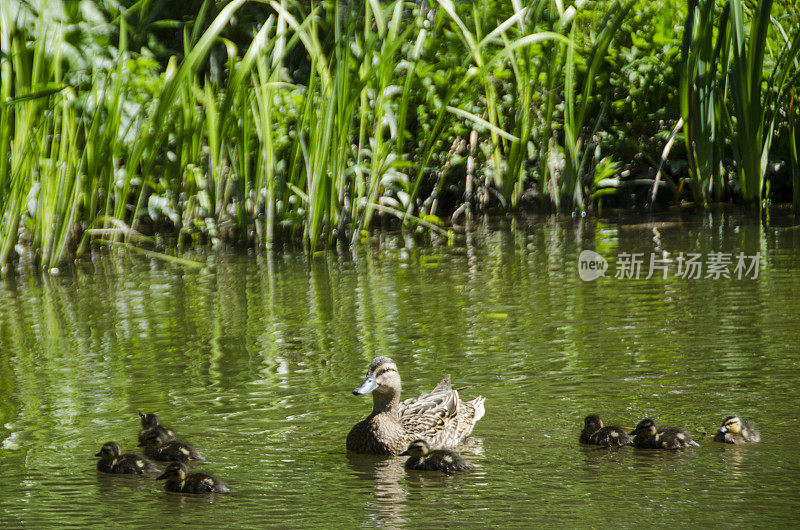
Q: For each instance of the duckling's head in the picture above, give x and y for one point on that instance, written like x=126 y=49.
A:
x=646 y=427
x=110 y=450
x=417 y=449
x=148 y=420
x=176 y=470
x=592 y=423
x=382 y=377
x=731 y=424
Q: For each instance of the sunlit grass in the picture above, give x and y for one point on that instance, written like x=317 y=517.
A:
x=264 y=154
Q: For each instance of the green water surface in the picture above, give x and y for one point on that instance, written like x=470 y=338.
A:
x=253 y=358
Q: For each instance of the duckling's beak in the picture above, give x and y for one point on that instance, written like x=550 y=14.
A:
x=404 y=453
x=723 y=429
x=633 y=432
x=99 y=454
x=162 y=476
x=141 y=444
x=367 y=386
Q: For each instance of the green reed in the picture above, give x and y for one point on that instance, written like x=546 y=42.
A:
x=703 y=96
x=728 y=89
x=577 y=98
x=261 y=155
x=794 y=139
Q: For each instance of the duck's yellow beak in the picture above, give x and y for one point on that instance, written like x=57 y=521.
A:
x=367 y=386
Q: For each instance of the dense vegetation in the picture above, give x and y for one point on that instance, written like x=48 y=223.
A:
x=256 y=122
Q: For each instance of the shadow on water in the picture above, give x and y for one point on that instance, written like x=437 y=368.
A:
x=110 y=485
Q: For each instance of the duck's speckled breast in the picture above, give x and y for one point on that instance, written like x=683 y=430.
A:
x=379 y=434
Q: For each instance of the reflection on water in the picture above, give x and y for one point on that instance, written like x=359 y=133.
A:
x=389 y=497
x=252 y=360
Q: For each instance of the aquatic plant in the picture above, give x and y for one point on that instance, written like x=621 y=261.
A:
x=703 y=96
x=576 y=135
x=794 y=142
x=756 y=108
x=726 y=91
x=262 y=122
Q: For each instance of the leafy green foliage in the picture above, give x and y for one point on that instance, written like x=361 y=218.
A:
x=258 y=122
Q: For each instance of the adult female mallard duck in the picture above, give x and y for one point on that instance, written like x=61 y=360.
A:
x=159 y=446
x=440 y=418
x=151 y=425
x=595 y=433
x=113 y=460
x=180 y=480
x=735 y=430
x=421 y=458
x=648 y=435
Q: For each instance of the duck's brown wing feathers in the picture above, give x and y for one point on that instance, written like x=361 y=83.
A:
x=429 y=416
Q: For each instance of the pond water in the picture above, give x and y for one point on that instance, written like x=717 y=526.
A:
x=253 y=358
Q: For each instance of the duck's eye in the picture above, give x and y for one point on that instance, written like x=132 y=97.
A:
x=384 y=371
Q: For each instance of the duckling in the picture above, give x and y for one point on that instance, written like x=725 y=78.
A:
x=737 y=431
x=150 y=424
x=158 y=446
x=594 y=433
x=113 y=461
x=648 y=435
x=423 y=459
x=181 y=481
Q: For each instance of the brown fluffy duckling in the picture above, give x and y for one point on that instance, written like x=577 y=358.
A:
x=735 y=430
x=595 y=433
x=181 y=481
x=112 y=460
x=159 y=446
x=648 y=435
x=150 y=425
x=423 y=459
